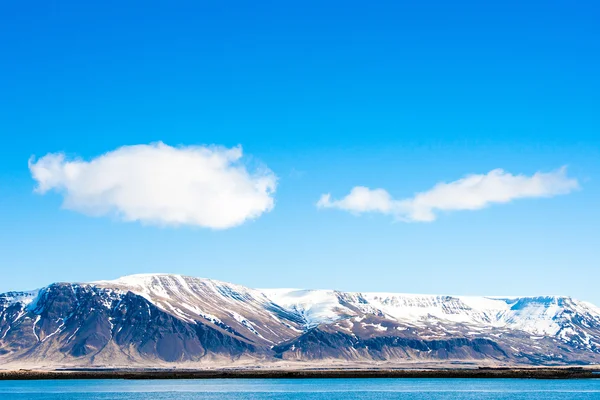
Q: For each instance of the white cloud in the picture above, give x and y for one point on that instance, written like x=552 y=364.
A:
x=162 y=185
x=361 y=199
x=472 y=192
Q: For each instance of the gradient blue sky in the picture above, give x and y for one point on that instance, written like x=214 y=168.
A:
x=397 y=95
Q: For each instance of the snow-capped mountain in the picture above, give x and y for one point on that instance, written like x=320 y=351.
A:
x=162 y=319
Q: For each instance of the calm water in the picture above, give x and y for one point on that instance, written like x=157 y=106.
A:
x=258 y=389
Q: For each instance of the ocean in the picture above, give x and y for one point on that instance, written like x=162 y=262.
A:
x=305 y=389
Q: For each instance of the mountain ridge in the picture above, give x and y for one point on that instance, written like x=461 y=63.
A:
x=166 y=319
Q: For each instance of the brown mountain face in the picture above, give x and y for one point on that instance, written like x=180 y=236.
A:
x=168 y=320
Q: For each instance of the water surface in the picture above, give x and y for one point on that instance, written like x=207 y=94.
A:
x=305 y=389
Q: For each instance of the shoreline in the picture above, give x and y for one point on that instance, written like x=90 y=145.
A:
x=480 y=373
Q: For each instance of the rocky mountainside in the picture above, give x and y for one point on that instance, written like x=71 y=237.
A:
x=163 y=320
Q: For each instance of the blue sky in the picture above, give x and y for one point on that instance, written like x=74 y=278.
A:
x=397 y=96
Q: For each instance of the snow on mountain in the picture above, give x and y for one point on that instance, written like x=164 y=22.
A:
x=24 y=298
x=536 y=315
x=314 y=306
x=229 y=306
x=174 y=318
x=192 y=298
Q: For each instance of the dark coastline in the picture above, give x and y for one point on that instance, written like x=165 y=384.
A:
x=519 y=373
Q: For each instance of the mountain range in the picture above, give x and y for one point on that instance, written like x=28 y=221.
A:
x=166 y=320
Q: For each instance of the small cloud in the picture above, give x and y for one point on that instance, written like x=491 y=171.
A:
x=161 y=185
x=472 y=192
x=360 y=200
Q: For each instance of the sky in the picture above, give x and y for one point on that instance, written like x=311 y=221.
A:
x=418 y=147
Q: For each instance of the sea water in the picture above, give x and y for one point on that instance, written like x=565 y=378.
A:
x=305 y=389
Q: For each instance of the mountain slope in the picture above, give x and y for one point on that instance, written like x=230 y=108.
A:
x=162 y=320
x=234 y=308
x=83 y=324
